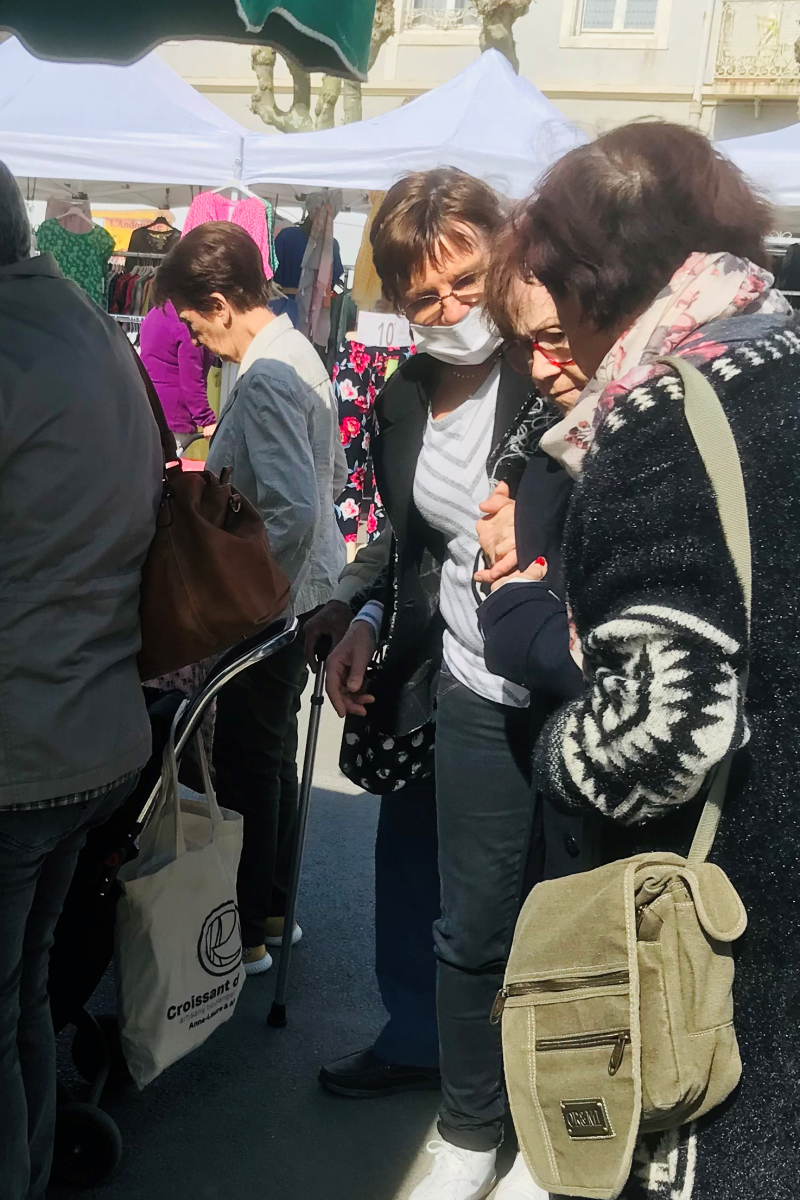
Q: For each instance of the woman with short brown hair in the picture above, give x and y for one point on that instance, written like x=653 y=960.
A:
x=278 y=435
x=652 y=244
x=452 y=421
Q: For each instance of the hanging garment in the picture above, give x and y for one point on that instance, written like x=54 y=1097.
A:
x=316 y=276
x=367 y=288
x=151 y=241
x=75 y=223
x=290 y=247
x=358 y=376
x=250 y=214
x=273 y=257
x=82 y=257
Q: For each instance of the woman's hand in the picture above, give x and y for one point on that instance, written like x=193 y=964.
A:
x=535 y=572
x=347 y=666
x=331 y=622
x=209 y=430
x=496 y=535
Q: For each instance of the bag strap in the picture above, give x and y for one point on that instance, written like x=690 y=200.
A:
x=169 y=446
x=714 y=439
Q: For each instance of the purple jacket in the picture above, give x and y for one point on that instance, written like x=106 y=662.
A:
x=178 y=370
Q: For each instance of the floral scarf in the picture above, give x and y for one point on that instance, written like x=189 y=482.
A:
x=706 y=288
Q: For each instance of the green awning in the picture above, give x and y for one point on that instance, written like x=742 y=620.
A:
x=323 y=35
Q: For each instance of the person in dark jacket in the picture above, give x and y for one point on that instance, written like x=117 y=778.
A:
x=74 y=731
x=652 y=244
x=455 y=419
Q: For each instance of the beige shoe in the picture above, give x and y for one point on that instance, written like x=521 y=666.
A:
x=274 y=932
x=256 y=960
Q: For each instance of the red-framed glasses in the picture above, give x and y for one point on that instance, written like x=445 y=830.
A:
x=551 y=344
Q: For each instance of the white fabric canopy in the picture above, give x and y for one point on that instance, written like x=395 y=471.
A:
x=140 y=124
x=487 y=121
x=771 y=161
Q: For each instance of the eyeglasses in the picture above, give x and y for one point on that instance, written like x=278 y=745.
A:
x=429 y=309
x=551 y=344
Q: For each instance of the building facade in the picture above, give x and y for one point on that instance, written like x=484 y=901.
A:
x=727 y=66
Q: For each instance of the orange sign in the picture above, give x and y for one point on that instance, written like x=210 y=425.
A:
x=121 y=224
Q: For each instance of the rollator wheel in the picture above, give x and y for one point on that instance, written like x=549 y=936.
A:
x=88 y=1146
x=88 y=1051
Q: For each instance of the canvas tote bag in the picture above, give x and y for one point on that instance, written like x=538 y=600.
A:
x=617 y=1007
x=178 y=939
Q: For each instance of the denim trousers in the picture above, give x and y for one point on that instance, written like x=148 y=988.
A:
x=406 y=906
x=38 y=852
x=255 y=759
x=486 y=812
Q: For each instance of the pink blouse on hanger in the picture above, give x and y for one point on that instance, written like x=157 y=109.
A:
x=249 y=213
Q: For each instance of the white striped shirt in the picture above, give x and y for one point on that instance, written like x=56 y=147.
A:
x=450 y=483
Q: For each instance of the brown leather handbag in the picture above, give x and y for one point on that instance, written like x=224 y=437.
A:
x=209 y=579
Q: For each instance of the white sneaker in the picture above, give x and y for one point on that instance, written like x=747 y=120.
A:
x=519 y=1185
x=256 y=960
x=274 y=932
x=457 y=1174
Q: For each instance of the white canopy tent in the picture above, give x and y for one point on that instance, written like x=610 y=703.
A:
x=487 y=121
x=772 y=162
x=67 y=126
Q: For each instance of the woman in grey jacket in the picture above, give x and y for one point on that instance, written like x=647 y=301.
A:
x=278 y=434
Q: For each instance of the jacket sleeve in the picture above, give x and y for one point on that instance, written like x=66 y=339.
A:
x=276 y=430
x=365 y=568
x=526 y=633
x=660 y=615
x=378 y=590
x=193 y=382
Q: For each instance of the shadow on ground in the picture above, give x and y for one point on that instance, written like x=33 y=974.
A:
x=243 y=1118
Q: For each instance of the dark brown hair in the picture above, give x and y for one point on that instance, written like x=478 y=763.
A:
x=418 y=214
x=506 y=272
x=15 y=229
x=216 y=257
x=613 y=221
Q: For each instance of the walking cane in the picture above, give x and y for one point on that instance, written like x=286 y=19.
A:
x=277 y=1014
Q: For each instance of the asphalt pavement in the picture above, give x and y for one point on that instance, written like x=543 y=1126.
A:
x=243 y=1117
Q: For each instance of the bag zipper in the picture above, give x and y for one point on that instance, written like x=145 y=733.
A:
x=618 y=1038
x=537 y=987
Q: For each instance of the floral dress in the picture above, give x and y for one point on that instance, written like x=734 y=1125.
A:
x=358 y=375
x=82 y=257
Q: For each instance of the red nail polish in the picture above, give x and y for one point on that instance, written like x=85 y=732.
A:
x=540 y=562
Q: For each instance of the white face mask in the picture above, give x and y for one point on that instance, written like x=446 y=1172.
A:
x=471 y=341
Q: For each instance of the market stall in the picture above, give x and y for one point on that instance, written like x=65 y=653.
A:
x=772 y=162
x=120 y=134
x=487 y=120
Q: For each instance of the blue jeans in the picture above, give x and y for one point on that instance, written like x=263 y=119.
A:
x=38 y=853
x=406 y=906
x=486 y=812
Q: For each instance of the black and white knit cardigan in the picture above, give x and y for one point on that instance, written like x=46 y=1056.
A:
x=660 y=615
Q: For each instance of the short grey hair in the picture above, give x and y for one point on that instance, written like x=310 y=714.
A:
x=15 y=228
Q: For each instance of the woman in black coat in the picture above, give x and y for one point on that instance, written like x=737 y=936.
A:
x=453 y=420
x=651 y=244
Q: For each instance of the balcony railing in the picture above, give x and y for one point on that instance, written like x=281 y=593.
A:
x=426 y=14
x=757 y=40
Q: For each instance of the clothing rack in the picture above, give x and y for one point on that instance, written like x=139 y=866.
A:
x=136 y=254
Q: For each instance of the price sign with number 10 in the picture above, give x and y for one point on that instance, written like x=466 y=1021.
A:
x=383 y=329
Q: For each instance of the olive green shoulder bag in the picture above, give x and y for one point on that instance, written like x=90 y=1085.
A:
x=617 y=1008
